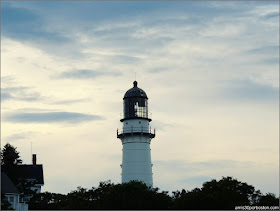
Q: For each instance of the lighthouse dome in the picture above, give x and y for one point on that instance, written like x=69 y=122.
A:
x=135 y=92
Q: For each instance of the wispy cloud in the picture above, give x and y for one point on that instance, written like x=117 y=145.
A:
x=6 y=96
x=51 y=117
x=19 y=136
x=84 y=74
x=209 y=166
x=19 y=93
x=160 y=125
x=125 y=59
x=271 y=15
x=158 y=70
x=247 y=90
x=26 y=24
x=271 y=50
x=80 y=74
x=192 y=174
x=70 y=101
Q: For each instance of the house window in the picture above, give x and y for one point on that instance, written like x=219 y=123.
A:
x=11 y=199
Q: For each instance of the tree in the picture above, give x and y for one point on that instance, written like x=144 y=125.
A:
x=47 y=201
x=268 y=200
x=132 y=195
x=9 y=157
x=224 y=194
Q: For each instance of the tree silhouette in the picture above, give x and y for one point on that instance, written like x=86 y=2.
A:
x=132 y=195
x=9 y=157
x=268 y=200
x=224 y=194
x=48 y=201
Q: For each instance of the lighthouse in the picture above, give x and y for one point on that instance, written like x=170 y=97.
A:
x=136 y=136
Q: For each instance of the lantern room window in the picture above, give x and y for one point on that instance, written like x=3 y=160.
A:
x=135 y=107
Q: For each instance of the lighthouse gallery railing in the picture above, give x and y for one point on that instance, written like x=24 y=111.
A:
x=131 y=130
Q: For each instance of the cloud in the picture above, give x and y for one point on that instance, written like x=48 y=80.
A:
x=6 y=96
x=19 y=93
x=247 y=90
x=26 y=24
x=35 y=110
x=80 y=74
x=163 y=126
x=225 y=164
x=209 y=166
x=192 y=174
x=7 y=79
x=19 y=136
x=70 y=101
x=273 y=60
x=271 y=50
x=17 y=15
x=271 y=15
x=84 y=74
x=125 y=59
x=158 y=70
x=51 y=117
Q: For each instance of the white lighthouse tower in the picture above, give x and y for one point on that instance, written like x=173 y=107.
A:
x=136 y=136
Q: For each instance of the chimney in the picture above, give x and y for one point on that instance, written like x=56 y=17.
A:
x=34 y=159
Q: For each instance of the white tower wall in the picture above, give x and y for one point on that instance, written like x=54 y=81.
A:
x=136 y=160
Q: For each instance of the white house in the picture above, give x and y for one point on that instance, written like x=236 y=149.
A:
x=30 y=173
x=11 y=193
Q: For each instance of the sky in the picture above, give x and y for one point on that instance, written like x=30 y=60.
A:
x=210 y=70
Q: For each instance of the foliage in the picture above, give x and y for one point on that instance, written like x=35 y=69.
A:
x=24 y=187
x=47 y=201
x=269 y=200
x=224 y=194
x=9 y=157
x=132 y=195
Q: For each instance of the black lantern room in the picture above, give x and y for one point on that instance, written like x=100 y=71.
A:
x=135 y=104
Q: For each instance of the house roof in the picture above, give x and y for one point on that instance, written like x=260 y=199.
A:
x=7 y=186
x=27 y=172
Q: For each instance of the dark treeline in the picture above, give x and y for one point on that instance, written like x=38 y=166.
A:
x=224 y=194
